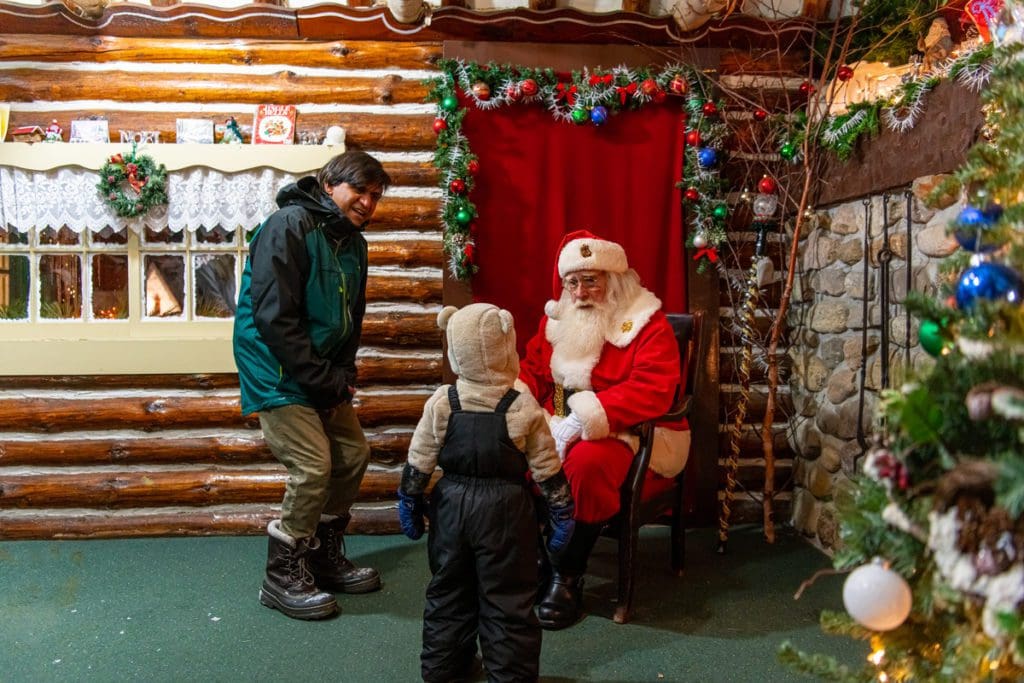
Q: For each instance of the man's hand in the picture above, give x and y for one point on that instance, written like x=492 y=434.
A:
x=566 y=433
x=562 y=526
x=411 y=509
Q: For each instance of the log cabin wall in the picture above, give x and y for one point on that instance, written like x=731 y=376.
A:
x=137 y=455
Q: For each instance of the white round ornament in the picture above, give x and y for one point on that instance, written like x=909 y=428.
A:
x=877 y=597
x=335 y=136
x=699 y=241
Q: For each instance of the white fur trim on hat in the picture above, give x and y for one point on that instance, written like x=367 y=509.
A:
x=591 y=253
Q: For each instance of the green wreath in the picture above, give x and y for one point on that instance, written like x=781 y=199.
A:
x=132 y=184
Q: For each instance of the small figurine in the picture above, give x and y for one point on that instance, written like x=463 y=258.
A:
x=232 y=133
x=54 y=133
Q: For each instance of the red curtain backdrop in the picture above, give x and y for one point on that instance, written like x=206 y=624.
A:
x=540 y=178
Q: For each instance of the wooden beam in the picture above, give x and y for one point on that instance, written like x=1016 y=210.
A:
x=387 y=288
x=406 y=213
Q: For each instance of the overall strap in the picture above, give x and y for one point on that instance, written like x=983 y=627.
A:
x=506 y=400
x=453 y=398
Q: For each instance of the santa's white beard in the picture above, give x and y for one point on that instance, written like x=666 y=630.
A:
x=578 y=340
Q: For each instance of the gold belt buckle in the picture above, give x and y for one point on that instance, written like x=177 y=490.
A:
x=559 y=400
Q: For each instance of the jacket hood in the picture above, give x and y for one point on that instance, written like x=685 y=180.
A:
x=481 y=344
x=306 y=193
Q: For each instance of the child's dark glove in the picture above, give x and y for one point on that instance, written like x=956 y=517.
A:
x=562 y=526
x=411 y=509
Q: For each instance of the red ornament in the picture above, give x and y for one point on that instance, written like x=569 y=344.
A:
x=513 y=92
x=678 y=85
x=807 y=88
x=472 y=166
x=468 y=251
x=481 y=90
x=844 y=73
x=767 y=185
x=440 y=125
x=458 y=186
x=649 y=86
x=710 y=109
x=692 y=194
x=528 y=87
x=760 y=114
x=660 y=96
x=693 y=138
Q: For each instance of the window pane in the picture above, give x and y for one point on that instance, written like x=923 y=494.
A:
x=110 y=286
x=60 y=286
x=14 y=287
x=164 y=286
x=215 y=285
x=165 y=236
x=215 y=235
x=64 y=236
x=110 y=236
x=11 y=235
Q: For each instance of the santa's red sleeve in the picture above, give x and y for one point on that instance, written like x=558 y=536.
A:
x=535 y=367
x=649 y=369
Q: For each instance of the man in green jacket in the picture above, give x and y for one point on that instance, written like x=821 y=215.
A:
x=297 y=329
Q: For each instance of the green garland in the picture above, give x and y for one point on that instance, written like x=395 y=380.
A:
x=585 y=98
x=131 y=184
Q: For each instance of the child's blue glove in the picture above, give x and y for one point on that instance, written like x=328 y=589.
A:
x=410 y=514
x=562 y=526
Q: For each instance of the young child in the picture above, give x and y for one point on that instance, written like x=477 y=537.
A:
x=482 y=545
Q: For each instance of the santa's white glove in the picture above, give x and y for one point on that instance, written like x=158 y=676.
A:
x=566 y=433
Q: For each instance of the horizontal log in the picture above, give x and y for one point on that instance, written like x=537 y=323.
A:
x=412 y=253
x=384 y=288
x=750 y=475
x=401 y=329
x=387 y=448
x=284 y=87
x=406 y=213
x=236 y=520
x=339 y=54
x=750 y=443
x=49 y=415
x=390 y=369
x=140 y=488
x=756 y=407
x=728 y=370
x=371 y=132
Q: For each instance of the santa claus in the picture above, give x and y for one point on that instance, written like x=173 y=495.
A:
x=604 y=360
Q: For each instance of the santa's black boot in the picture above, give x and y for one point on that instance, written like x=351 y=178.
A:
x=334 y=571
x=561 y=604
x=288 y=585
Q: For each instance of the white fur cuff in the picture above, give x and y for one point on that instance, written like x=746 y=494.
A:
x=588 y=408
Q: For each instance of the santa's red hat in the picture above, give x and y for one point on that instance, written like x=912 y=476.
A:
x=583 y=250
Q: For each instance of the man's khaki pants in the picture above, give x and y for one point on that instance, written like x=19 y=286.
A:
x=326 y=459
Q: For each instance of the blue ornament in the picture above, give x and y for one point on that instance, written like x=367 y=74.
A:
x=971 y=215
x=707 y=157
x=599 y=115
x=971 y=225
x=993 y=212
x=988 y=281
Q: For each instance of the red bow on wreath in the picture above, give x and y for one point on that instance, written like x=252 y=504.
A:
x=607 y=79
x=565 y=93
x=117 y=159
x=625 y=92
x=133 y=178
x=710 y=252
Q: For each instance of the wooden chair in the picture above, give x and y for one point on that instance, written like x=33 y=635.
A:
x=636 y=510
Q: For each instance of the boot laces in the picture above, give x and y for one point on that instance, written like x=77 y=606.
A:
x=298 y=567
x=336 y=548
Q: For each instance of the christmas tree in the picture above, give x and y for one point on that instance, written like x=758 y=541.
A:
x=933 y=527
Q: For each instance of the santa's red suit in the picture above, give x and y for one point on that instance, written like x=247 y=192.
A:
x=629 y=379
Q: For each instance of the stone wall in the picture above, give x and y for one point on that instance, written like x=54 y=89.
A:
x=828 y=321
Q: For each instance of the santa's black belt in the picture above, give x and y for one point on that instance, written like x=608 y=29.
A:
x=561 y=400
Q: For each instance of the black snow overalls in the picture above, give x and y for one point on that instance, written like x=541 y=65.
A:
x=483 y=553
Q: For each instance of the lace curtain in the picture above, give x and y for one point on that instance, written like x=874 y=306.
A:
x=197 y=197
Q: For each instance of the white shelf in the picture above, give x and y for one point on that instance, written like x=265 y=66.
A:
x=46 y=156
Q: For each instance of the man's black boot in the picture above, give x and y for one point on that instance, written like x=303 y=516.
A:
x=561 y=604
x=288 y=585
x=334 y=571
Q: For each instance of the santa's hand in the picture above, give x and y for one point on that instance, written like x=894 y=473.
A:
x=566 y=433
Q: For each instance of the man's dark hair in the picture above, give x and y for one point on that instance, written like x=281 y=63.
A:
x=358 y=169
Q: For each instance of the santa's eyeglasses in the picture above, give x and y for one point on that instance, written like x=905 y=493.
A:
x=590 y=282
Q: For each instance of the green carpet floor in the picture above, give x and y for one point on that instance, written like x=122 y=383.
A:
x=187 y=610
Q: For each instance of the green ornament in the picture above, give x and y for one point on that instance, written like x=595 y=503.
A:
x=580 y=116
x=695 y=104
x=721 y=211
x=933 y=338
x=788 y=151
x=450 y=103
x=463 y=216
